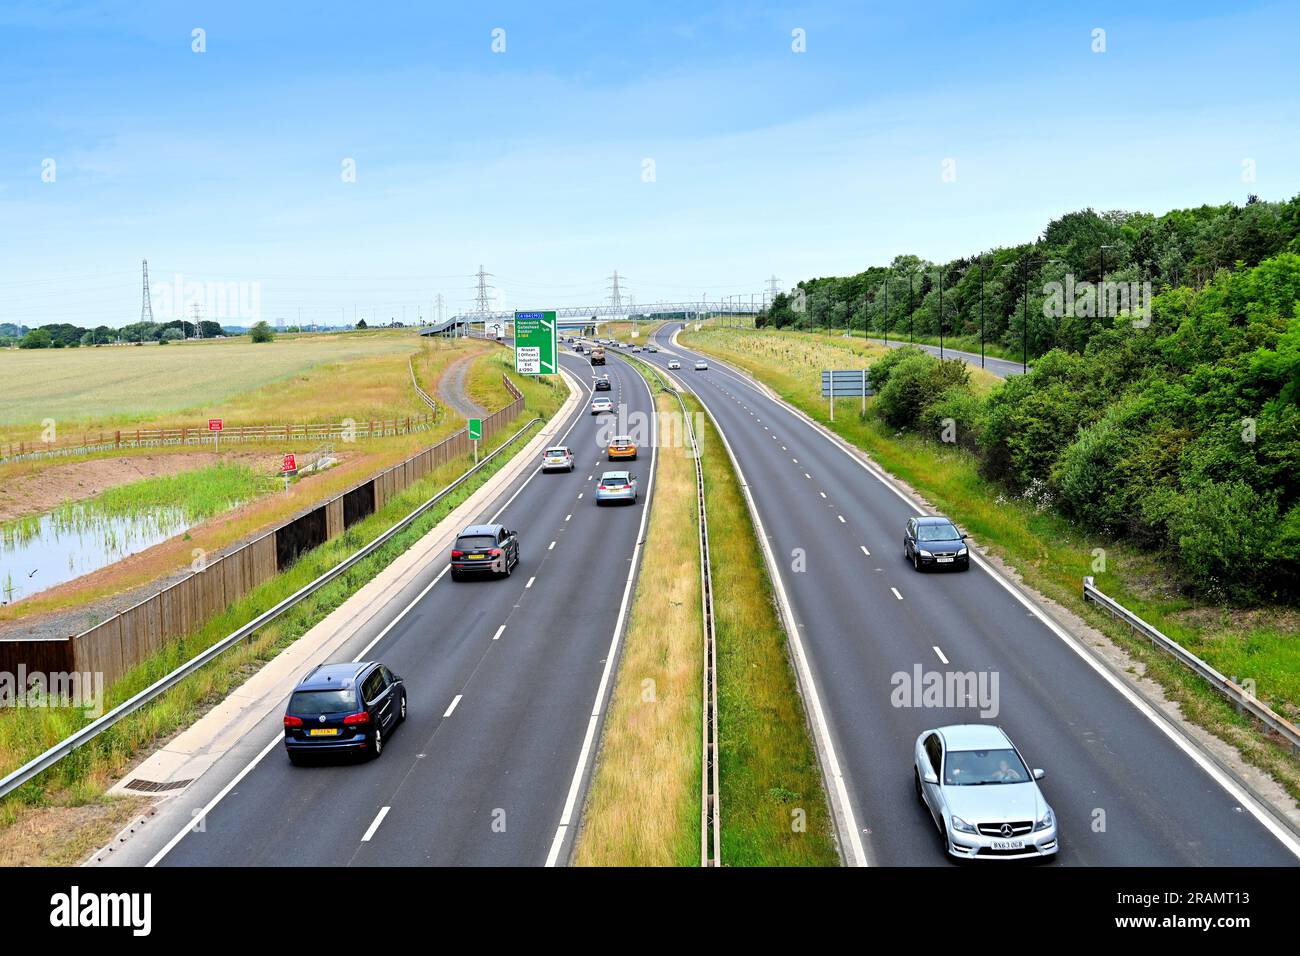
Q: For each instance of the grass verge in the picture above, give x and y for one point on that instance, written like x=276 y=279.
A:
x=1052 y=556
x=643 y=808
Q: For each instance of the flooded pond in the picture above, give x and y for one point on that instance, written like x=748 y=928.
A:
x=39 y=552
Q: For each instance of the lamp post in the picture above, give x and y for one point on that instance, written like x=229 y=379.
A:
x=940 y=271
x=911 y=308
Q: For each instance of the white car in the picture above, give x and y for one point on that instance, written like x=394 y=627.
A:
x=674 y=364
x=701 y=366
x=558 y=458
x=601 y=405
x=981 y=794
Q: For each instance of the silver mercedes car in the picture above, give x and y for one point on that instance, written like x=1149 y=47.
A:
x=981 y=795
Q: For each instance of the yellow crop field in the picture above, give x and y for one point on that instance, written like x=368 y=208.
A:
x=293 y=379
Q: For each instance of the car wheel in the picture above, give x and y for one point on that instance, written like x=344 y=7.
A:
x=379 y=742
x=916 y=781
x=401 y=715
x=916 y=560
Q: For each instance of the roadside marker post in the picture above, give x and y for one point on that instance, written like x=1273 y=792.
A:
x=475 y=434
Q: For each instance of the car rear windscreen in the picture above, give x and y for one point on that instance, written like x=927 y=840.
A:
x=476 y=542
x=614 y=480
x=309 y=703
x=555 y=451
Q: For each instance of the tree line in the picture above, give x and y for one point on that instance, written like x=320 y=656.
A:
x=1000 y=295
x=1178 y=431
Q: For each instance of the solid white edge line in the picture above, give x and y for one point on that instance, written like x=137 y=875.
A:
x=1170 y=730
x=584 y=755
x=207 y=808
x=839 y=793
x=375 y=824
x=221 y=794
x=454 y=701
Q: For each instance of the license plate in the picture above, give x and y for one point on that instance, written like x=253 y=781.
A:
x=323 y=732
x=944 y=560
x=476 y=557
x=1008 y=844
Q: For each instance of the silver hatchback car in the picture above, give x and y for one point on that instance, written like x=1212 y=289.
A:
x=616 y=486
x=981 y=795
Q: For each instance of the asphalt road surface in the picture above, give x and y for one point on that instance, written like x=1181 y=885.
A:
x=1124 y=792
x=501 y=677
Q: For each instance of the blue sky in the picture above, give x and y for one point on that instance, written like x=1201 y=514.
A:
x=226 y=165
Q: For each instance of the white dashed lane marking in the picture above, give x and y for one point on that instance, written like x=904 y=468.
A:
x=896 y=594
x=454 y=702
x=942 y=659
x=374 y=825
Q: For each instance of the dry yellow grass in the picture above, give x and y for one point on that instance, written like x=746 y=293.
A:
x=643 y=808
x=794 y=361
x=64 y=835
x=304 y=379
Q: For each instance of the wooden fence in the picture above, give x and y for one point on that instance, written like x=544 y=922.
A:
x=199 y=435
x=124 y=640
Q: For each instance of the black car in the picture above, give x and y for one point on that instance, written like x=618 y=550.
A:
x=484 y=549
x=343 y=708
x=935 y=542
x=602 y=384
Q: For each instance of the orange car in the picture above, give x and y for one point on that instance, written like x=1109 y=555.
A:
x=620 y=446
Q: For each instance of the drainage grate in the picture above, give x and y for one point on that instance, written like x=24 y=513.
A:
x=154 y=786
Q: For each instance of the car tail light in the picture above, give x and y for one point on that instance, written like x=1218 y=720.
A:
x=291 y=721
x=354 y=719
x=495 y=552
x=458 y=554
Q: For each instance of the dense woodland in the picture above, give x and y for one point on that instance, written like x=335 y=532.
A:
x=1177 y=429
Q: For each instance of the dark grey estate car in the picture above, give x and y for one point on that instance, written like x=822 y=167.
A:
x=935 y=542
x=484 y=549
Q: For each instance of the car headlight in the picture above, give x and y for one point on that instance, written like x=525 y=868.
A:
x=926 y=554
x=959 y=824
x=961 y=553
x=1047 y=822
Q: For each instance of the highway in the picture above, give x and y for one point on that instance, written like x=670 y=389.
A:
x=998 y=366
x=1124 y=790
x=502 y=676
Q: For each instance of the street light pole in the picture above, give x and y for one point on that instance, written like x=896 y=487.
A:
x=940 y=314
x=981 y=311
x=911 y=309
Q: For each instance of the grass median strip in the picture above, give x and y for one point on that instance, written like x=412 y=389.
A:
x=643 y=808
x=79 y=781
x=774 y=808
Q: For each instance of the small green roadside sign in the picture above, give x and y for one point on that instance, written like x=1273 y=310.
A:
x=475 y=429
x=536 y=352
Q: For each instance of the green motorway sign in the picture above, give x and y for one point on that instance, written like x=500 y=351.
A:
x=475 y=429
x=536 y=352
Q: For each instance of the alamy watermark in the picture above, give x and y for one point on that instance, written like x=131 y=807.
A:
x=216 y=301
x=947 y=690
x=78 y=689
x=1098 y=299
